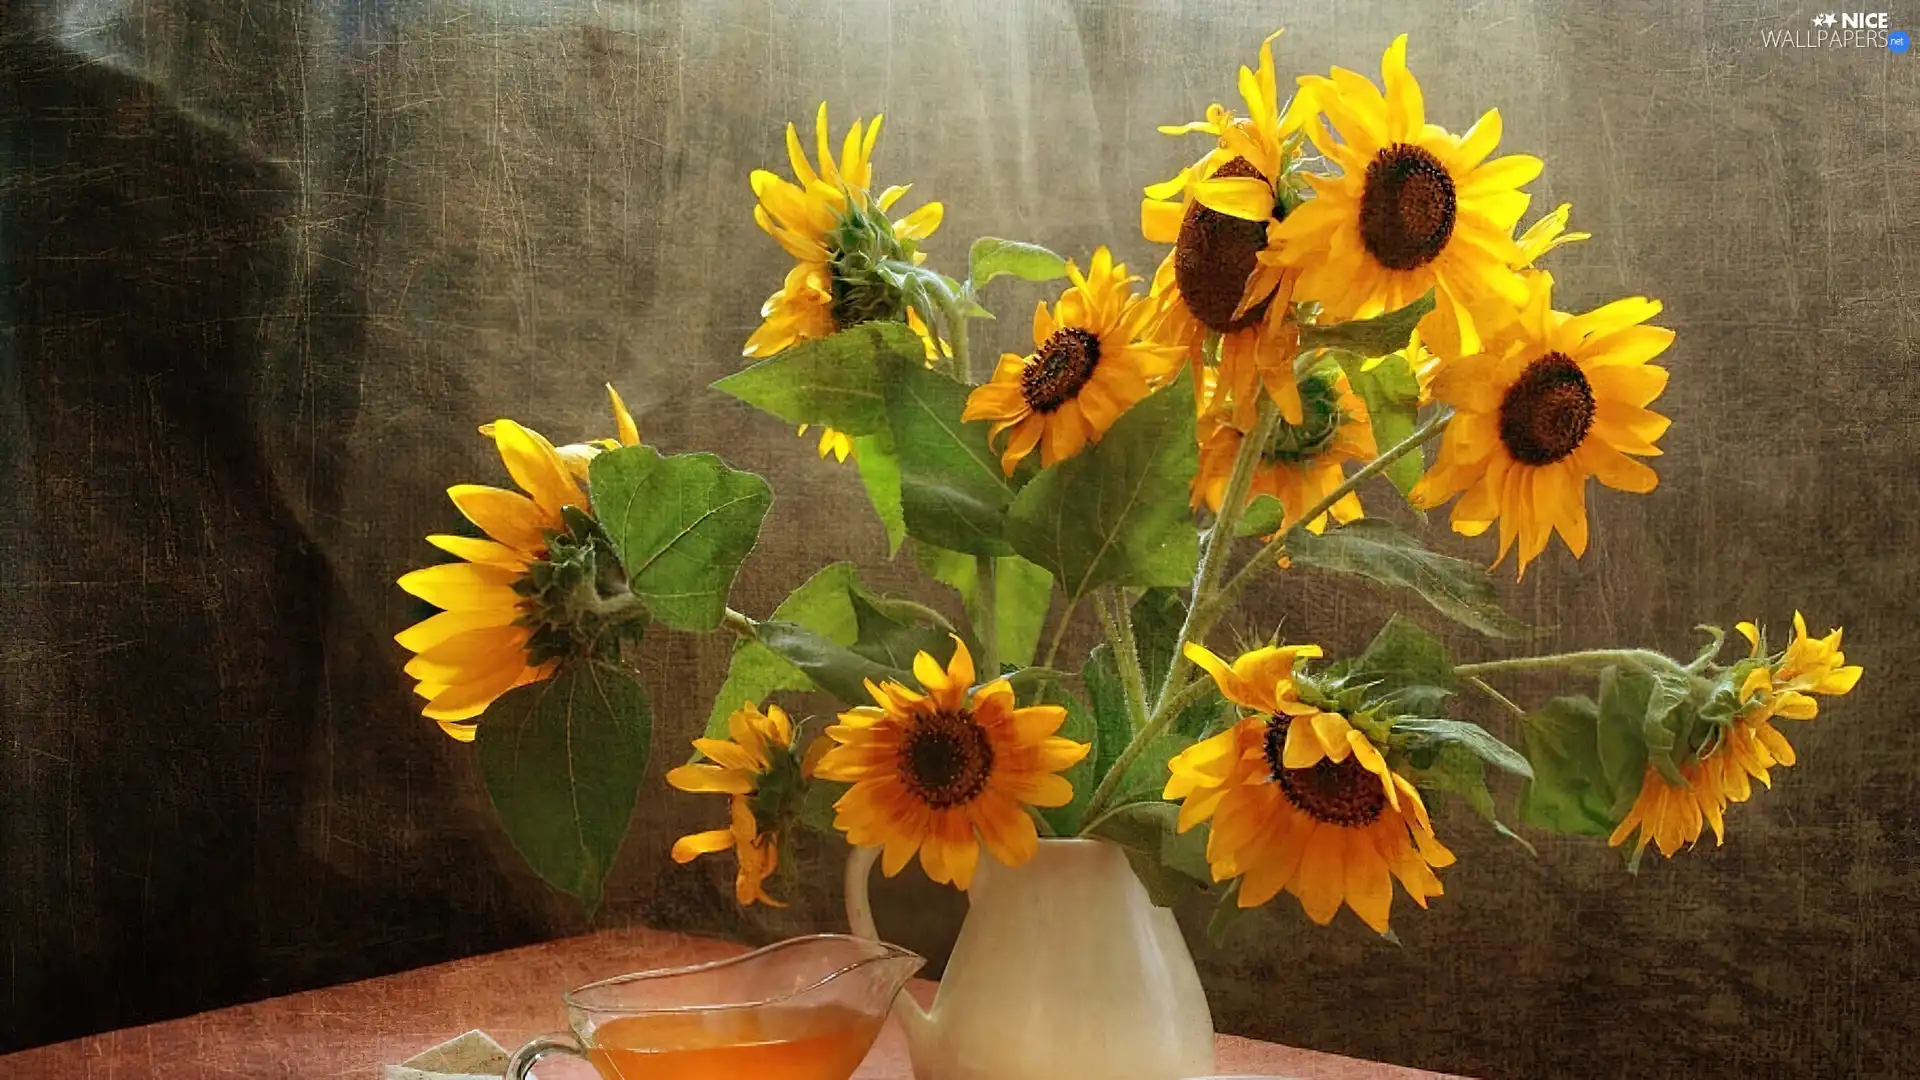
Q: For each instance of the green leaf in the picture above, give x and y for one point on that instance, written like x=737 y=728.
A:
x=992 y=257
x=893 y=642
x=834 y=380
x=1117 y=513
x=1226 y=915
x=1627 y=700
x=1415 y=733
x=1157 y=617
x=1102 y=679
x=952 y=492
x=1571 y=791
x=1392 y=394
x=1407 y=667
x=880 y=473
x=1455 y=769
x=823 y=605
x=1263 y=517
x=1023 y=592
x=1152 y=827
x=681 y=525
x=562 y=760
x=1080 y=727
x=1030 y=682
x=834 y=668
x=1147 y=777
x=1377 y=336
x=1461 y=590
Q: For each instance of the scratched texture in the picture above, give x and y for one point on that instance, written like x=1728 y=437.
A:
x=265 y=264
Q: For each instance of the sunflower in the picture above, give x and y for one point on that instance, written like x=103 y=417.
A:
x=1302 y=800
x=1222 y=215
x=834 y=228
x=1492 y=314
x=1553 y=400
x=1748 y=749
x=1414 y=208
x=756 y=764
x=480 y=645
x=1093 y=359
x=943 y=771
x=1302 y=462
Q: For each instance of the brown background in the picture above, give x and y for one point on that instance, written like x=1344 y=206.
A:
x=264 y=265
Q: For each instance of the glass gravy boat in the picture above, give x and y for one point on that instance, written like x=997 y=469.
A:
x=804 y=1009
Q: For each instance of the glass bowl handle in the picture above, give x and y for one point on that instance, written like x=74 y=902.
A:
x=559 y=1042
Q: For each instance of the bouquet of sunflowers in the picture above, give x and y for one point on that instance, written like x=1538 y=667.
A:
x=1345 y=321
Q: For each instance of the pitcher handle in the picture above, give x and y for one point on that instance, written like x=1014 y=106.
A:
x=860 y=862
x=558 y=1042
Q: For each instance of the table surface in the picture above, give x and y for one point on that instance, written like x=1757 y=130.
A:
x=348 y=1031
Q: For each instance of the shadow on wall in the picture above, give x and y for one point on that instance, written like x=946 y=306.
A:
x=163 y=693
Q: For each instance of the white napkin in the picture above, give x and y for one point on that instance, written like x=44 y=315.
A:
x=473 y=1056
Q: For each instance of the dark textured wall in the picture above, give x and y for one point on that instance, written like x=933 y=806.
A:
x=263 y=266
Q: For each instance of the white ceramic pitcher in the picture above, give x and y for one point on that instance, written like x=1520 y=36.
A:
x=1065 y=970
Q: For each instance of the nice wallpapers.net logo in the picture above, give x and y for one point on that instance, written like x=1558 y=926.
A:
x=1840 y=30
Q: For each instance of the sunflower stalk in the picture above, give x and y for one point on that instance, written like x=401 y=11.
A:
x=1118 y=626
x=1643 y=660
x=1213 y=552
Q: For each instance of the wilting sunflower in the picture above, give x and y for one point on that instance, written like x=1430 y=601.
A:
x=1748 y=749
x=1222 y=215
x=1093 y=360
x=756 y=765
x=943 y=771
x=1553 y=400
x=482 y=643
x=1302 y=800
x=837 y=233
x=1414 y=208
x=1302 y=462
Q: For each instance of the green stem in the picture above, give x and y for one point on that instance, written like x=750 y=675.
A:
x=1270 y=554
x=1487 y=688
x=981 y=614
x=1060 y=632
x=1638 y=659
x=1213 y=550
x=740 y=625
x=1126 y=657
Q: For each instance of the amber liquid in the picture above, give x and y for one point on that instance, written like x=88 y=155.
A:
x=824 y=1042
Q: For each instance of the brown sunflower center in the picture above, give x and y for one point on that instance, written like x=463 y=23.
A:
x=1339 y=793
x=1547 y=413
x=1062 y=366
x=1406 y=208
x=946 y=759
x=1214 y=256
